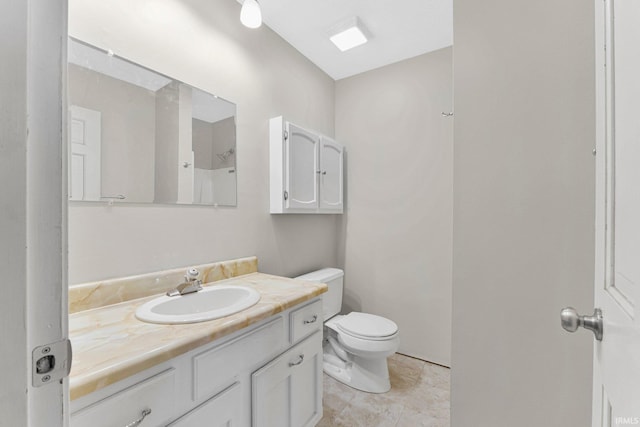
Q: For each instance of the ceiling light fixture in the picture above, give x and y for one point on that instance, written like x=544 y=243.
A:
x=250 y=14
x=348 y=34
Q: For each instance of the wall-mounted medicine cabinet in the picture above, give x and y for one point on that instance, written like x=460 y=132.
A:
x=306 y=170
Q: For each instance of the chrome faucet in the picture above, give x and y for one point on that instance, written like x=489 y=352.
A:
x=190 y=285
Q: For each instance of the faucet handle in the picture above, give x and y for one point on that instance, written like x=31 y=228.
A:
x=192 y=274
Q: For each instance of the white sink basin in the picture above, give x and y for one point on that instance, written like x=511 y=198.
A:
x=212 y=302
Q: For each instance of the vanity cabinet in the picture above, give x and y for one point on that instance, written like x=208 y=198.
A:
x=306 y=170
x=277 y=361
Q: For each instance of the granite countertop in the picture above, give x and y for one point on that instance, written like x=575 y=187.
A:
x=111 y=344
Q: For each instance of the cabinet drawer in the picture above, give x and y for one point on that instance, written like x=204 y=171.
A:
x=222 y=410
x=220 y=366
x=126 y=406
x=305 y=321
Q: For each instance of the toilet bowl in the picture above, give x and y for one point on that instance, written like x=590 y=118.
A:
x=356 y=345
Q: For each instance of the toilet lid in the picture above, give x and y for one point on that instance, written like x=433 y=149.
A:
x=367 y=325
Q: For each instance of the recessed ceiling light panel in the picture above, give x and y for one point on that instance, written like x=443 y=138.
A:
x=348 y=34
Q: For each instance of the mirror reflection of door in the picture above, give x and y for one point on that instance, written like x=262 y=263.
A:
x=84 y=164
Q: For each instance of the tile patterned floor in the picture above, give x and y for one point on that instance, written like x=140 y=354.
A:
x=419 y=396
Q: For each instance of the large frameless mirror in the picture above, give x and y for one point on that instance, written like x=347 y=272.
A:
x=138 y=136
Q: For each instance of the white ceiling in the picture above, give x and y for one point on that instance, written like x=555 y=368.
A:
x=400 y=29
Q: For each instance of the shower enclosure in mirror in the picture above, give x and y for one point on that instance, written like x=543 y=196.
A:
x=141 y=137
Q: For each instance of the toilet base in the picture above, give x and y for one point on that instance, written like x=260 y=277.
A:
x=370 y=375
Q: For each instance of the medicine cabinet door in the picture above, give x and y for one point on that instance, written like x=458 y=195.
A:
x=331 y=175
x=302 y=164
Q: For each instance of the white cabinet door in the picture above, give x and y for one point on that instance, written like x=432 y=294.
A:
x=288 y=391
x=331 y=171
x=301 y=158
x=222 y=410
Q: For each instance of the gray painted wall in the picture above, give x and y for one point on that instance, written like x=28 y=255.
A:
x=202 y=43
x=396 y=233
x=13 y=208
x=523 y=211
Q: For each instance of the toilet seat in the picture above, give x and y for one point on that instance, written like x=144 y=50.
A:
x=354 y=333
x=367 y=326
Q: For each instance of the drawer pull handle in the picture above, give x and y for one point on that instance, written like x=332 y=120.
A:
x=313 y=320
x=297 y=362
x=141 y=419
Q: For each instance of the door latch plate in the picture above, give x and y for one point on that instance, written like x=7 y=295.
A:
x=51 y=362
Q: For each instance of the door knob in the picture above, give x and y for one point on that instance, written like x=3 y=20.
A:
x=571 y=321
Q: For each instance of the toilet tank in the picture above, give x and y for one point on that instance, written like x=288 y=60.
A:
x=332 y=299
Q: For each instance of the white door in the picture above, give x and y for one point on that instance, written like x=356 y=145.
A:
x=331 y=171
x=84 y=161
x=301 y=154
x=616 y=397
x=33 y=218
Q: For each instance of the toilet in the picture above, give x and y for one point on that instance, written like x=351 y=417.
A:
x=355 y=345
